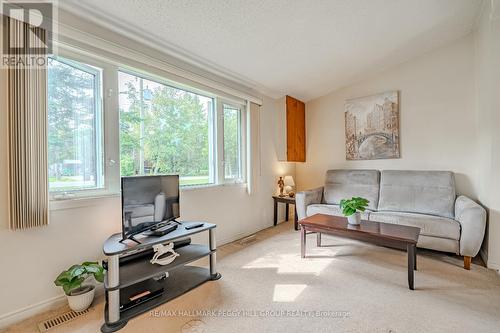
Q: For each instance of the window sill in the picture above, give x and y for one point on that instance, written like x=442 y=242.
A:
x=95 y=200
x=211 y=186
x=79 y=202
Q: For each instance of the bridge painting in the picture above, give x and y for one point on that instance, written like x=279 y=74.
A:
x=372 y=127
x=389 y=137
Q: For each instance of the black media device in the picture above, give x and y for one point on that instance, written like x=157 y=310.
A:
x=141 y=298
x=161 y=229
x=149 y=202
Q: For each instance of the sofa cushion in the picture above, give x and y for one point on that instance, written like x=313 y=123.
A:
x=426 y=192
x=345 y=184
x=429 y=225
x=331 y=210
x=439 y=244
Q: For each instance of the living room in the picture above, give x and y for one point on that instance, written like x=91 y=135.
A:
x=245 y=101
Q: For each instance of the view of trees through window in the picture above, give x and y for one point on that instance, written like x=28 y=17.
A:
x=165 y=130
x=73 y=125
x=232 y=142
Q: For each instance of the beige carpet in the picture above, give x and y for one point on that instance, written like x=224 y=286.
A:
x=344 y=286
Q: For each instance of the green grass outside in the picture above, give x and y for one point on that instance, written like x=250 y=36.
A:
x=62 y=179
x=199 y=180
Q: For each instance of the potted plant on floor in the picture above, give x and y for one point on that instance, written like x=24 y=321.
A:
x=80 y=296
x=351 y=208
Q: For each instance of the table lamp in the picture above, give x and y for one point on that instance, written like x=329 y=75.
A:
x=289 y=184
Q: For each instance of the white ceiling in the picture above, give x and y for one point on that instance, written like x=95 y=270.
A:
x=304 y=48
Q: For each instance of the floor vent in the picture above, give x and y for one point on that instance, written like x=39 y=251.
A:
x=248 y=240
x=50 y=323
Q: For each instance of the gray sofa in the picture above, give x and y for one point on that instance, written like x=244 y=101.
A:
x=424 y=199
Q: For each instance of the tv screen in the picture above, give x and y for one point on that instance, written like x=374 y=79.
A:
x=147 y=200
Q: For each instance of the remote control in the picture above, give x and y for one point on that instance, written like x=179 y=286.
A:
x=193 y=226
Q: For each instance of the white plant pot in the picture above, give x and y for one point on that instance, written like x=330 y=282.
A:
x=354 y=219
x=80 y=302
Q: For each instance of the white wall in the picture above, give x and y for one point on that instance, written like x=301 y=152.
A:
x=437 y=127
x=31 y=259
x=487 y=38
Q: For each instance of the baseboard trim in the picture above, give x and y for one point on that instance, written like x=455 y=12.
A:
x=241 y=235
x=493 y=265
x=31 y=310
x=489 y=263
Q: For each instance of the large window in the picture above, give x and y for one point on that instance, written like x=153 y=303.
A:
x=74 y=126
x=165 y=130
x=105 y=122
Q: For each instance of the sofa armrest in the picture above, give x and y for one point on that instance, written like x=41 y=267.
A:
x=306 y=198
x=472 y=219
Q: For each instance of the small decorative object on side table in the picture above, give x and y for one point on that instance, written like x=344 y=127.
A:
x=287 y=201
x=281 y=185
x=289 y=186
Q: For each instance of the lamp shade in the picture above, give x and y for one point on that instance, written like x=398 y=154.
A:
x=289 y=181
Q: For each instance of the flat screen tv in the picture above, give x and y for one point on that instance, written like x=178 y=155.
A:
x=148 y=200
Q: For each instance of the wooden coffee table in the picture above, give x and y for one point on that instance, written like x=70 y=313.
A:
x=385 y=234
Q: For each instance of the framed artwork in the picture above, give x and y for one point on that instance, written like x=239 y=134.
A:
x=372 y=127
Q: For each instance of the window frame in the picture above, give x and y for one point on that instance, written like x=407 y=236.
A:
x=98 y=121
x=213 y=179
x=106 y=123
x=242 y=141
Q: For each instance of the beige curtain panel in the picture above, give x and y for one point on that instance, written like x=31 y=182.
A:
x=27 y=127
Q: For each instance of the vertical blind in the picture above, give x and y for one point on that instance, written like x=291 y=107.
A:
x=27 y=133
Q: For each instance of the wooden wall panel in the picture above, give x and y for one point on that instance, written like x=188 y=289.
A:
x=295 y=130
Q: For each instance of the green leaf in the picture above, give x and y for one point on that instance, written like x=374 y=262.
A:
x=62 y=278
x=75 y=284
x=76 y=270
x=90 y=263
x=92 y=269
x=66 y=288
x=99 y=276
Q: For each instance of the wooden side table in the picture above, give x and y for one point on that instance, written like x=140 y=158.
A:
x=287 y=201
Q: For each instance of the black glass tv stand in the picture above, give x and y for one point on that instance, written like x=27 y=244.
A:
x=131 y=277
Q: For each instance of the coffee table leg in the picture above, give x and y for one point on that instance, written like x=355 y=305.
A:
x=303 y=242
x=318 y=239
x=415 y=260
x=411 y=264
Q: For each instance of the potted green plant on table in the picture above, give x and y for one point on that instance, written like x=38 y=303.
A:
x=351 y=208
x=80 y=296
